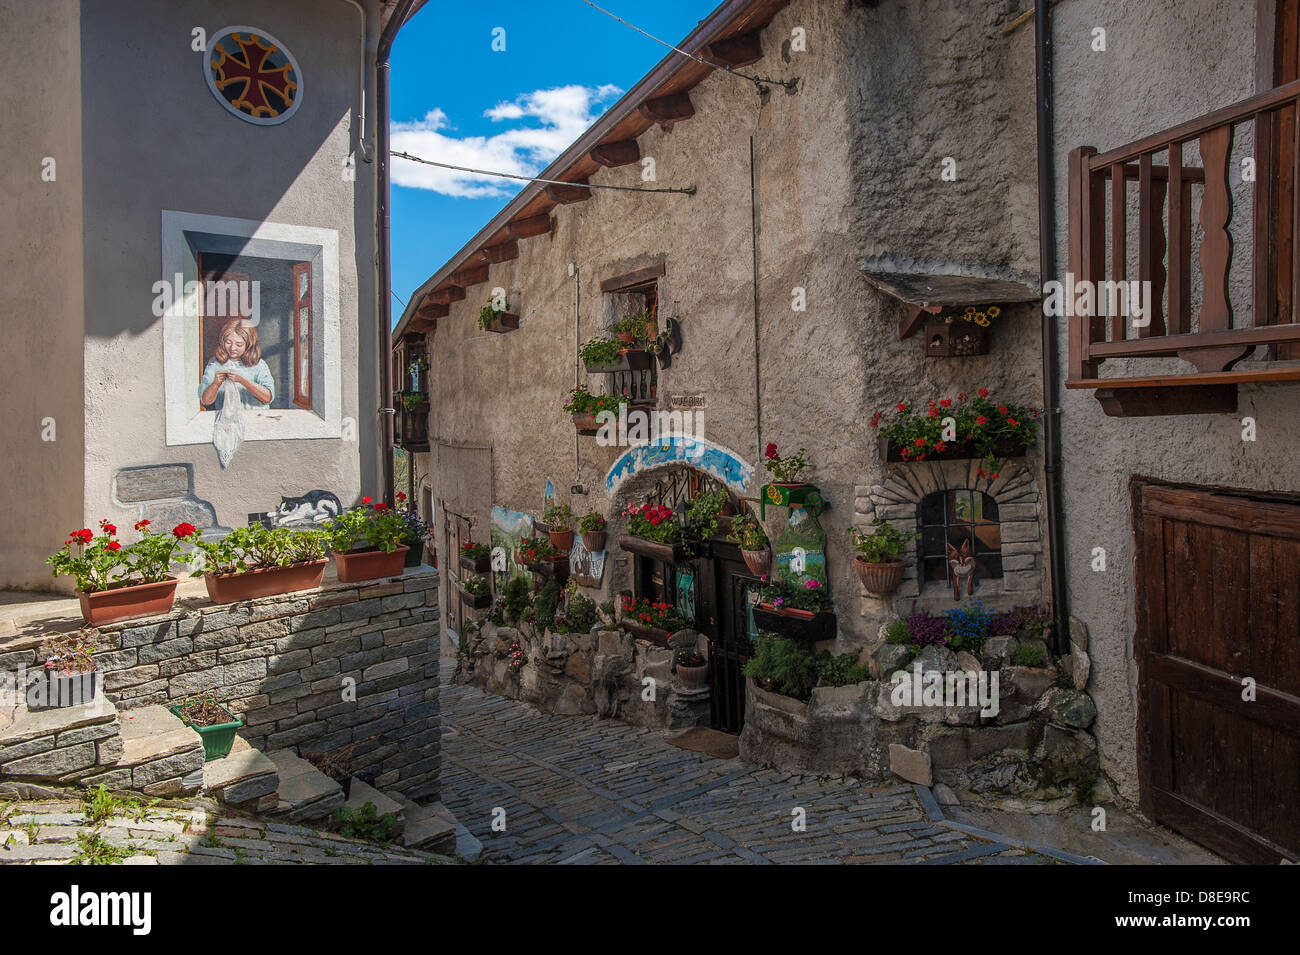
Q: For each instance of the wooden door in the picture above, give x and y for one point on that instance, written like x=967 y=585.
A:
x=730 y=641
x=1278 y=56
x=1217 y=584
x=456 y=531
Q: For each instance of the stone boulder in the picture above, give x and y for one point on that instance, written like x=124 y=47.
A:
x=937 y=658
x=888 y=658
x=999 y=652
x=1072 y=708
x=1025 y=684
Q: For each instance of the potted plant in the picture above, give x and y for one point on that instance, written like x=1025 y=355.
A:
x=785 y=469
x=977 y=427
x=475 y=558
x=70 y=676
x=632 y=329
x=418 y=364
x=650 y=620
x=559 y=521
x=366 y=542
x=653 y=531
x=692 y=669
x=214 y=723
x=415 y=401
x=259 y=561
x=584 y=407
x=592 y=528
x=795 y=609
x=116 y=582
x=476 y=591
x=416 y=531
x=876 y=557
x=700 y=522
x=605 y=355
x=540 y=556
x=499 y=320
x=747 y=534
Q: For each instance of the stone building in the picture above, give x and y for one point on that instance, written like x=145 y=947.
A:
x=878 y=174
x=233 y=181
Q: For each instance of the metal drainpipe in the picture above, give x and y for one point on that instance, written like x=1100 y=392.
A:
x=1051 y=362
x=384 y=335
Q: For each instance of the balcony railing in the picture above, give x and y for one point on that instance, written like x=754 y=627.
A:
x=1179 y=172
x=411 y=425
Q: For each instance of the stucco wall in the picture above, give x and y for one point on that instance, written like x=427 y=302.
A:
x=1166 y=61
x=41 y=295
x=156 y=139
x=863 y=114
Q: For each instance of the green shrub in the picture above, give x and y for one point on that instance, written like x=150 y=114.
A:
x=516 y=599
x=548 y=598
x=366 y=823
x=896 y=632
x=1029 y=655
x=782 y=666
x=843 y=670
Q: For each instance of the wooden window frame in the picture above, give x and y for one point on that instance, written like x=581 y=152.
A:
x=302 y=396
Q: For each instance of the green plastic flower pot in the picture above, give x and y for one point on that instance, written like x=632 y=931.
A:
x=217 y=739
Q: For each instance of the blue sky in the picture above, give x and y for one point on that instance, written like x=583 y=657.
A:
x=455 y=99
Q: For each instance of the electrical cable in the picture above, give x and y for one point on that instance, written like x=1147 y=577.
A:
x=688 y=191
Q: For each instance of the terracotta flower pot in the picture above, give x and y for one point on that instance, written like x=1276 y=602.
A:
x=125 y=603
x=561 y=540
x=626 y=338
x=879 y=580
x=264 y=582
x=594 y=541
x=758 y=561
x=358 y=565
x=693 y=676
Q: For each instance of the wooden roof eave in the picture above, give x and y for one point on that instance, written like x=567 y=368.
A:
x=929 y=293
x=624 y=120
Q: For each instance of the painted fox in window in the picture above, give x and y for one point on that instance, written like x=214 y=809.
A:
x=961 y=566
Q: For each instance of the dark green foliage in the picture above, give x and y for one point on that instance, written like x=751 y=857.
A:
x=579 y=616
x=843 y=670
x=1028 y=655
x=782 y=666
x=548 y=598
x=366 y=823
x=516 y=599
x=896 y=632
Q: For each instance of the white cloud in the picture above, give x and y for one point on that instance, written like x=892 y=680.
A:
x=543 y=123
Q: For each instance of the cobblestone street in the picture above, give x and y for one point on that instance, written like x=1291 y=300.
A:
x=589 y=791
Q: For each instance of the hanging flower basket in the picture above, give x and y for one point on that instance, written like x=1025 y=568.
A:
x=879 y=579
x=667 y=553
x=796 y=624
x=653 y=634
x=562 y=540
x=370 y=564
x=961 y=451
x=126 y=603
x=594 y=541
x=758 y=561
x=505 y=322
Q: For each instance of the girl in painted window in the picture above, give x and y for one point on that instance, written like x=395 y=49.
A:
x=237 y=359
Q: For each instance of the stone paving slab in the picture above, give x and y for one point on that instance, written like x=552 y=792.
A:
x=198 y=832
x=582 y=791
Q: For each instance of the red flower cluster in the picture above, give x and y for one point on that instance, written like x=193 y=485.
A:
x=366 y=499
x=82 y=536
x=182 y=531
x=401 y=496
x=109 y=529
x=141 y=525
x=381 y=506
x=770 y=452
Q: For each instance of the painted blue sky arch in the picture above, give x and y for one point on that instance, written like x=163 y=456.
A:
x=716 y=461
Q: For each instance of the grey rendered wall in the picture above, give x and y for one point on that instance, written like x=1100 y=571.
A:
x=849 y=168
x=41 y=295
x=1167 y=61
x=157 y=139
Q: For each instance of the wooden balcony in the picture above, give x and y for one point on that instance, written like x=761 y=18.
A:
x=411 y=425
x=1180 y=173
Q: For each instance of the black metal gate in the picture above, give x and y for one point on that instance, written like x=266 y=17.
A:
x=730 y=641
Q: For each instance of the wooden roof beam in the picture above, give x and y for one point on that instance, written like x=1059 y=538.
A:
x=565 y=195
x=445 y=296
x=669 y=109
x=473 y=275
x=500 y=252
x=529 y=226
x=620 y=152
x=739 y=50
x=433 y=310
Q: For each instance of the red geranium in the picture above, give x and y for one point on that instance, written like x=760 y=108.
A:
x=401 y=496
x=771 y=451
x=82 y=536
x=141 y=525
x=381 y=506
x=982 y=392
x=366 y=499
x=183 y=530
x=109 y=529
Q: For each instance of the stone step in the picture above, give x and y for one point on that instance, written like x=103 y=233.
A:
x=432 y=828
x=361 y=792
x=304 y=791
x=244 y=779
x=466 y=845
x=62 y=745
x=163 y=756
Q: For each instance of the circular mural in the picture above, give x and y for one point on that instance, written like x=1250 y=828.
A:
x=252 y=75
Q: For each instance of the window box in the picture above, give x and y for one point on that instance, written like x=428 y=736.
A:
x=476 y=565
x=667 y=553
x=370 y=564
x=553 y=568
x=640 y=630
x=796 y=624
x=586 y=424
x=631 y=359
x=127 y=602
x=1004 y=448
x=476 y=601
x=955 y=340
x=264 y=581
x=506 y=322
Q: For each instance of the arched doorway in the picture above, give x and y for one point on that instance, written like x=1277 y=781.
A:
x=714 y=591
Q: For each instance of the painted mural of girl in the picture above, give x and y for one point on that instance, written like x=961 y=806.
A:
x=237 y=359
